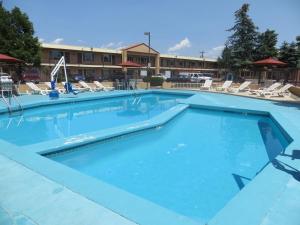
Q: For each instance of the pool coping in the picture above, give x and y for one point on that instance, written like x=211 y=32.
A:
x=54 y=171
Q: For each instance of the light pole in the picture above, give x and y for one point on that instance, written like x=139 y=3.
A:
x=202 y=56
x=148 y=64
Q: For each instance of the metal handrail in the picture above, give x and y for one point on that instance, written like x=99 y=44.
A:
x=7 y=104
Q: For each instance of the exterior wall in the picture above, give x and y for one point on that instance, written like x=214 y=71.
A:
x=102 y=64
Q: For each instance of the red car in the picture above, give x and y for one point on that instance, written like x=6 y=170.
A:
x=31 y=75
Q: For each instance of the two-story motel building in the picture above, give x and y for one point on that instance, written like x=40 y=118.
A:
x=104 y=63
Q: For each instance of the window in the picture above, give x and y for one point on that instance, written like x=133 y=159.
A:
x=130 y=58
x=107 y=58
x=67 y=57
x=88 y=56
x=144 y=60
x=79 y=57
x=54 y=54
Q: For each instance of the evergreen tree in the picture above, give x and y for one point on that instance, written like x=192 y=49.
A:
x=288 y=54
x=17 y=36
x=225 y=61
x=243 y=40
x=266 y=45
x=298 y=51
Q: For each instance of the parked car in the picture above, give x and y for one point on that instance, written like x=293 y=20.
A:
x=200 y=77
x=77 y=77
x=31 y=75
x=160 y=76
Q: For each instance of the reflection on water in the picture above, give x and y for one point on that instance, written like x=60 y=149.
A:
x=60 y=121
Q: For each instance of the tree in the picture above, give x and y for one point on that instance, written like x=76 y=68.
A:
x=266 y=45
x=243 y=40
x=17 y=36
x=298 y=51
x=288 y=54
x=225 y=61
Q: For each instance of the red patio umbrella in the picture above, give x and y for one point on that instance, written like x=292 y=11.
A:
x=6 y=58
x=269 y=62
x=130 y=64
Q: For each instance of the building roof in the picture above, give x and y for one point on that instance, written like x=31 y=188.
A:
x=128 y=48
x=115 y=51
x=79 y=48
x=187 y=57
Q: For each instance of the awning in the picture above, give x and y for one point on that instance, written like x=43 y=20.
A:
x=6 y=58
x=269 y=62
x=129 y=64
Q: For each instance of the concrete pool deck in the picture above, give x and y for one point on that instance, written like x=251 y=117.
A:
x=272 y=197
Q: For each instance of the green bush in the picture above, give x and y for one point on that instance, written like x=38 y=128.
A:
x=154 y=81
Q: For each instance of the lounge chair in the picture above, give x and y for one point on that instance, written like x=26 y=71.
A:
x=85 y=85
x=36 y=90
x=269 y=90
x=226 y=85
x=60 y=90
x=77 y=89
x=282 y=91
x=104 y=88
x=207 y=85
x=243 y=87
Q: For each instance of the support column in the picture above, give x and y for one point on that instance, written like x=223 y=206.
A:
x=157 y=64
x=124 y=59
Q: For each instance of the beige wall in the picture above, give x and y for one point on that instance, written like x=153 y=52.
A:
x=159 y=64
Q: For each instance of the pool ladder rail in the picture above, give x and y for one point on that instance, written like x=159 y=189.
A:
x=137 y=98
x=8 y=102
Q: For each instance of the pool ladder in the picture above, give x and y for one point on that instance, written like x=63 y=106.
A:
x=8 y=103
x=137 y=99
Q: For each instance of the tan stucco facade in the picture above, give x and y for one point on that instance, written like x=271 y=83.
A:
x=104 y=63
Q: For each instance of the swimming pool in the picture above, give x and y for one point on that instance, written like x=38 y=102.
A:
x=193 y=165
x=65 y=120
x=253 y=186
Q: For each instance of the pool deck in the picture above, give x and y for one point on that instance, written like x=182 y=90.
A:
x=35 y=190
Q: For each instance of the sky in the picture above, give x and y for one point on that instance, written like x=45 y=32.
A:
x=179 y=27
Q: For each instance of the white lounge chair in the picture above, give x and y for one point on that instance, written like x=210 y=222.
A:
x=226 y=85
x=79 y=89
x=60 y=90
x=282 y=91
x=85 y=85
x=104 y=88
x=242 y=87
x=269 y=90
x=36 y=90
x=207 y=85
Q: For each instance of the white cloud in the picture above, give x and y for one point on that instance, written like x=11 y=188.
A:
x=81 y=41
x=113 y=45
x=58 y=41
x=215 y=52
x=41 y=40
x=185 y=43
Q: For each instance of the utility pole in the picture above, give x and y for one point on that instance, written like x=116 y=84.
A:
x=148 y=65
x=202 y=56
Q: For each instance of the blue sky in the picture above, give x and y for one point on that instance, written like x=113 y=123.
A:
x=181 y=27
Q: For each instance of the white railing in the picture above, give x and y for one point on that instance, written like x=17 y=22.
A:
x=187 y=85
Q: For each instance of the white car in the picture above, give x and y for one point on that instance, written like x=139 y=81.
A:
x=198 y=77
x=160 y=76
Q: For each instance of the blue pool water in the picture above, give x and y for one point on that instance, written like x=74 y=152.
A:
x=193 y=165
x=65 y=120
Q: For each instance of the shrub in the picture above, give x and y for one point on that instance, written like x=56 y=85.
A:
x=154 y=81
